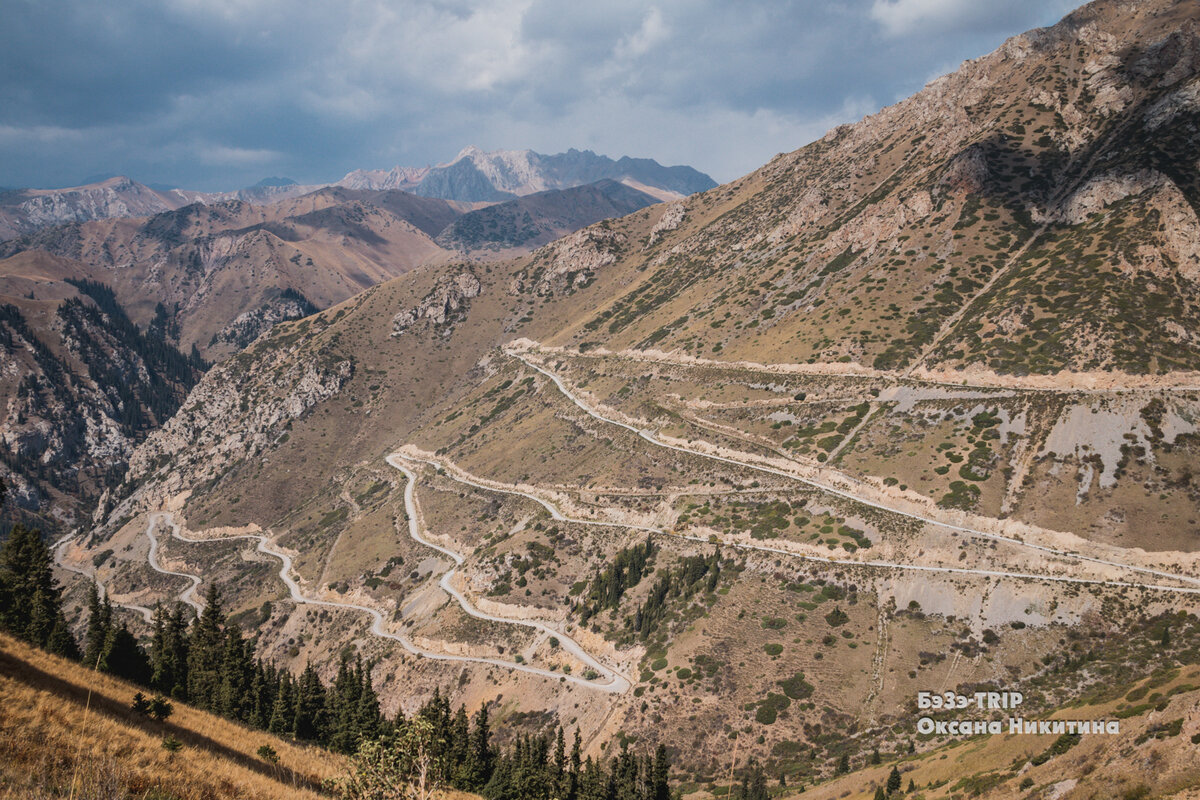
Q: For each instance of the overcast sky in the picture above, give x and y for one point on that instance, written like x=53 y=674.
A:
x=216 y=94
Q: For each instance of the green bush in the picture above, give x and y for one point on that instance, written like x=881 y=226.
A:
x=837 y=617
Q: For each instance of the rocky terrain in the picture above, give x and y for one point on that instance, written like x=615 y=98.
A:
x=210 y=274
x=473 y=176
x=911 y=408
x=82 y=387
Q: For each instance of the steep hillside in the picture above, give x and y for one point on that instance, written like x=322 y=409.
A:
x=775 y=457
x=83 y=387
x=69 y=730
x=1031 y=213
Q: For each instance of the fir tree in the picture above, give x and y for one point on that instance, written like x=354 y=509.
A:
x=30 y=602
x=205 y=651
x=123 y=656
x=893 y=781
x=99 y=623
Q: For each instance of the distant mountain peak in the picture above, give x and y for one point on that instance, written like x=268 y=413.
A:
x=478 y=175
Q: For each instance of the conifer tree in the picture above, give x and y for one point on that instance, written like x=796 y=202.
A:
x=893 y=781
x=99 y=623
x=309 y=721
x=30 y=601
x=205 y=651
x=122 y=656
x=283 y=710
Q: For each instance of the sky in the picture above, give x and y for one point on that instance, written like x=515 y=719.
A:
x=217 y=94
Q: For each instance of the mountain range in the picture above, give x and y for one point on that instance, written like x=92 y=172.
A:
x=209 y=274
x=915 y=407
x=473 y=176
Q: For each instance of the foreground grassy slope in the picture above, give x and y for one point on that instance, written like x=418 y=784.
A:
x=62 y=723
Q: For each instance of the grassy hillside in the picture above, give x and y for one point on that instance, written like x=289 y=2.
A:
x=62 y=725
x=1154 y=756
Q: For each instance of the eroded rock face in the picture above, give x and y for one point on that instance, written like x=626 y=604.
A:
x=669 y=221
x=443 y=302
x=1103 y=191
x=571 y=263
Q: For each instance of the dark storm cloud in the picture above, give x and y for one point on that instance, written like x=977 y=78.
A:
x=217 y=93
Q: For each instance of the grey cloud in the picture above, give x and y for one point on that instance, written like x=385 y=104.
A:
x=217 y=93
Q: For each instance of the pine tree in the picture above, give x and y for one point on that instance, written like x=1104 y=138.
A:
x=660 y=782
x=236 y=671
x=30 y=602
x=169 y=652
x=368 y=719
x=123 y=656
x=893 y=781
x=99 y=622
x=205 y=652
x=480 y=752
x=309 y=720
x=283 y=710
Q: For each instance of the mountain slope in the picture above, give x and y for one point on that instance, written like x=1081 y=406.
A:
x=536 y=219
x=26 y=210
x=100 y=746
x=83 y=386
x=869 y=245
x=786 y=385
x=212 y=264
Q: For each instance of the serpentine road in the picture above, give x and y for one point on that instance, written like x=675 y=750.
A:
x=652 y=438
x=613 y=682
x=556 y=513
x=57 y=547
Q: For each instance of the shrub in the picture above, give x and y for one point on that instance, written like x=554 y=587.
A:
x=837 y=617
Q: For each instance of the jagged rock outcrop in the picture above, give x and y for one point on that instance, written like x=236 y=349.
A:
x=442 y=304
x=475 y=175
x=571 y=262
x=669 y=221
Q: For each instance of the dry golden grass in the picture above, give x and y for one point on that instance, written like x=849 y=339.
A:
x=49 y=738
